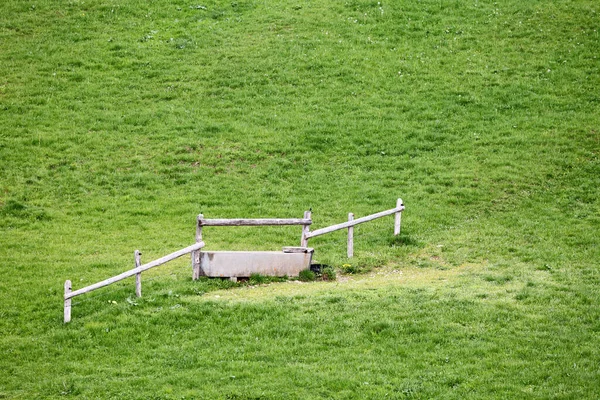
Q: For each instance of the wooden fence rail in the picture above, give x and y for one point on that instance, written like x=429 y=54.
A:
x=397 y=211
x=254 y=222
x=136 y=271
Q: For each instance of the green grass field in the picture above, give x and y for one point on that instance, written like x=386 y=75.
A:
x=121 y=121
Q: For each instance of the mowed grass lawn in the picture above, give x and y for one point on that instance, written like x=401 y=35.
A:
x=121 y=121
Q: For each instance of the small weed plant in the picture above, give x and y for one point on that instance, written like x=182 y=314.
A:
x=307 y=275
x=328 y=274
x=355 y=268
x=257 y=279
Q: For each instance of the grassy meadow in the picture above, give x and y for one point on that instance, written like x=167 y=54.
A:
x=121 y=121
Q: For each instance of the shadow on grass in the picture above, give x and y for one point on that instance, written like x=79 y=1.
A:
x=404 y=239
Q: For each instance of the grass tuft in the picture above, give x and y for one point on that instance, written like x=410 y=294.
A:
x=307 y=275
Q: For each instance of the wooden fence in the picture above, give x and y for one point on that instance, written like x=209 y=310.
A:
x=137 y=271
x=306 y=221
x=194 y=249
x=397 y=211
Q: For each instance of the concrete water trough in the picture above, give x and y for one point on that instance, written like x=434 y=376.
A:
x=242 y=264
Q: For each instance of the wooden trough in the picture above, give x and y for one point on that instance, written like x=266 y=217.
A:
x=242 y=264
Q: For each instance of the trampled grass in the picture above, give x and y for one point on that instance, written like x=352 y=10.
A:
x=120 y=122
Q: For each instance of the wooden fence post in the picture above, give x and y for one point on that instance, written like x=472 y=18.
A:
x=199 y=228
x=196 y=254
x=398 y=218
x=138 y=276
x=350 y=236
x=305 y=230
x=68 y=288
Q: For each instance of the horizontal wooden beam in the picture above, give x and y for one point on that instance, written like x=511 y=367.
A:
x=155 y=263
x=348 y=224
x=254 y=222
x=297 y=250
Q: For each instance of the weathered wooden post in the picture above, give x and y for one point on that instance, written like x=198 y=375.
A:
x=196 y=253
x=68 y=288
x=138 y=276
x=398 y=217
x=350 y=236
x=305 y=230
